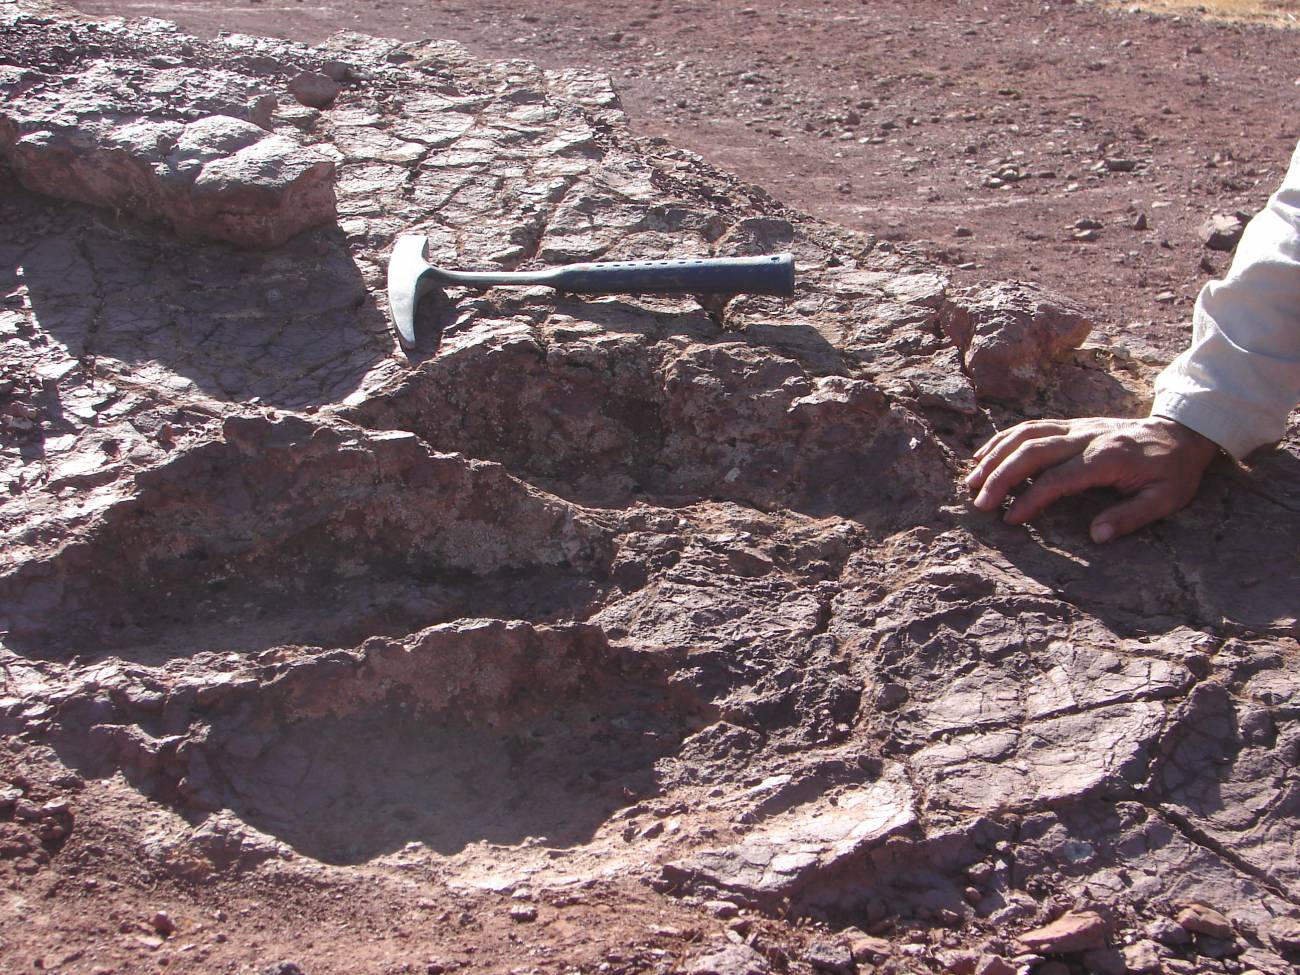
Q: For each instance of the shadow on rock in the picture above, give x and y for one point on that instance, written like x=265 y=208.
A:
x=482 y=730
x=291 y=531
x=292 y=326
x=1228 y=562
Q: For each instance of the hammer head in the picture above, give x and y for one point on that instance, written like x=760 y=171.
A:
x=409 y=278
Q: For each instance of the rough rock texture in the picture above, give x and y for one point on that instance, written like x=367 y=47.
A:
x=1007 y=333
x=1222 y=231
x=596 y=592
x=171 y=139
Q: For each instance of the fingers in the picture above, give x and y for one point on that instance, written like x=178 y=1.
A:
x=1020 y=464
x=995 y=452
x=1012 y=437
x=1075 y=476
x=1156 y=463
x=1149 y=504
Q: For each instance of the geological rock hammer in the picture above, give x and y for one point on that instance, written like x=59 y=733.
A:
x=411 y=276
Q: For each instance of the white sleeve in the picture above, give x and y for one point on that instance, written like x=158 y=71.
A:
x=1240 y=378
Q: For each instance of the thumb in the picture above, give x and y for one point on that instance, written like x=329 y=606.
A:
x=1147 y=505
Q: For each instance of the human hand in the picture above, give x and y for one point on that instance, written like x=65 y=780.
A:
x=1156 y=463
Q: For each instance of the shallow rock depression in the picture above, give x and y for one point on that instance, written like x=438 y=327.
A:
x=617 y=600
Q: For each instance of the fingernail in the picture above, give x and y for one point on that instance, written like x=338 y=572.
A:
x=970 y=479
x=1103 y=533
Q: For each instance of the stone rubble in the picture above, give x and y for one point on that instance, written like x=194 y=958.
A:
x=248 y=544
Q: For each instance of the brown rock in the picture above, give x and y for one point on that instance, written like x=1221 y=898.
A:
x=217 y=177
x=733 y=959
x=1205 y=920
x=1222 y=231
x=343 y=633
x=1218 y=948
x=9 y=797
x=1012 y=336
x=163 y=924
x=829 y=956
x=1284 y=932
x=959 y=962
x=1142 y=956
x=865 y=948
x=314 y=90
x=994 y=965
x=1072 y=932
x=1104 y=961
x=261 y=195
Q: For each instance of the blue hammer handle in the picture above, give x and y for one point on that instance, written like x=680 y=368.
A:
x=769 y=274
x=410 y=276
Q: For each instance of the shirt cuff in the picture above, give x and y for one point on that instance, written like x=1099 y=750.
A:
x=1201 y=414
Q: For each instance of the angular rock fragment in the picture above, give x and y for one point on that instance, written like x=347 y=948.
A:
x=828 y=956
x=732 y=959
x=1142 y=957
x=1105 y=961
x=1222 y=231
x=866 y=948
x=1070 y=933
x=1284 y=932
x=1205 y=920
x=1012 y=336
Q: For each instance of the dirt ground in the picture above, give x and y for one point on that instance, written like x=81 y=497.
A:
x=981 y=134
x=896 y=116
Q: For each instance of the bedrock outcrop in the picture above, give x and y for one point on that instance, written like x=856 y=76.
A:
x=583 y=589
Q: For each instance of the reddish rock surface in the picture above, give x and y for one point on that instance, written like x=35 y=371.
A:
x=182 y=146
x=1070 y=933
x=1205 y=920
x=594 y=634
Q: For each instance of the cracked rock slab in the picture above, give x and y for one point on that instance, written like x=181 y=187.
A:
x=774 y=861
x=113 y=134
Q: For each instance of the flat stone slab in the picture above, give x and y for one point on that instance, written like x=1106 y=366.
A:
x=775 y=860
